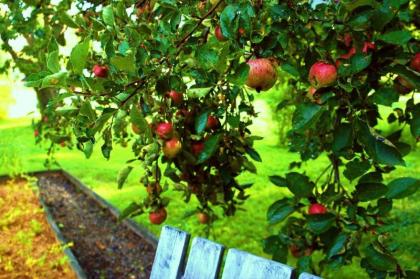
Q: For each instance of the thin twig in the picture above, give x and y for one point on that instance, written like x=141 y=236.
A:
x=186 y=37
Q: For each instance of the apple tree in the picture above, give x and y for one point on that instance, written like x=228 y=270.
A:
x=176 y=80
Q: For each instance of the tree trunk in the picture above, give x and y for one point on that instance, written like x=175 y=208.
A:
x=44 y=95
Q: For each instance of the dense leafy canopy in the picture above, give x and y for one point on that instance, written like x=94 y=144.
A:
x=115 y=84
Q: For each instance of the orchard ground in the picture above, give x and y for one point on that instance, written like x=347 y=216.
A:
x=247 y=228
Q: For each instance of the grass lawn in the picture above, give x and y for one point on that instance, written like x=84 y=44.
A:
x=245 y=230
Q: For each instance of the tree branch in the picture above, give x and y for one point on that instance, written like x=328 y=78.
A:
x=186 y=37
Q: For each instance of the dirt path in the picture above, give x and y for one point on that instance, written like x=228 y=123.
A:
x=104 y=248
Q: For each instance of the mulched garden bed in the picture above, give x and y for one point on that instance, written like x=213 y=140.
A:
x=104 y=247
x=28 y=246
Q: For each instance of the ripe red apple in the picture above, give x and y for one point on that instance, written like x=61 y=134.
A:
x=262 y=74
x=322 y=74
x=176 y=97
x=172 y=147
x=295 y=251
x=63 y=143
x=212 y=122
x=36 y=133
x=203 y=218
x=218 y=34
x=349 y=54
x=415 y=62
x=100 y=71
x=317 y=208
x=164 y=130
x=368 y=46
x=347 y=39
x=158 y=216
x=241 y=31
x=197 y=147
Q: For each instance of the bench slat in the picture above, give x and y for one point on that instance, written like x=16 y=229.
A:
x=247 y=266
x=170 y=254
x=204 y=259
x=305 y=275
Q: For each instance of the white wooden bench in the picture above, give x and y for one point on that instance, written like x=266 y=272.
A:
x=205 y=258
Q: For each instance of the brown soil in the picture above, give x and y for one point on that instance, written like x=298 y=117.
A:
x=103 y=247
x=28 y=247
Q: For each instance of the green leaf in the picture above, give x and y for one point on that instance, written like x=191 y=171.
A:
x=138 y=119
x=227 y=24
x=400 y=37
x=279 y=210
x=122 y=176
x=79 y=55
x=123 y=47
x=409 y=75
x=53 y=63
x=388 y=155
x=207 y=57
x=415 y=121
x=198 y=92
x=35 y=79
x=124 y=63
x=356 y=168
x=305 y=114
x=351 y=5
x=299 y=184
x=88 y=149
x=291 y=70
x=201 y=122
x=321 y=222
x=385 y=96
x=108 y=15
x=101 y=121
x=132 y=209
x=402 y=187
x=338 y=245
x=358 y=63
x=278 y=180
x=343 y=137
x=379 y=260
x=249 y=166
x=210 y=147
x=370 y=191
x=253 y=154
x=240 y=75
x=274 y=246
x=55 y=80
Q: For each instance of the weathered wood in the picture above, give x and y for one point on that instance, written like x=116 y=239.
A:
x=170 y=254
x=204 y=259
x=247 y=266
x=305 y=275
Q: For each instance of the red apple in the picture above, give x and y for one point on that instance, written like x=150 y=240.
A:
x=212 y=122
x=203 y=218
x=317 y=208
x=415 y=62
x=63 y=143
x=218 y=34
x=295 y=251
x=322 y=74
x=36 y=133
x=176 y=97
x=100 y=71
x=197 y=147
x=158 y=216
x=368 y=46
x=172 y=147
x=347 y=39
x=349 y=54
x=164 y=130
x=262 y=74
x=241 y=31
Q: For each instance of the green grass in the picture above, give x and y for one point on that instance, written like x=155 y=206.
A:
x=245 y=230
